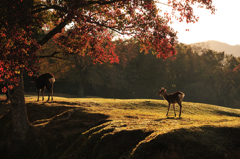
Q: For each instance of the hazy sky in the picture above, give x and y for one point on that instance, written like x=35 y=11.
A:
x=224 y=26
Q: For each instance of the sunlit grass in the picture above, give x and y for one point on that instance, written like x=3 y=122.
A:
x=131 y=128
x=150 y=115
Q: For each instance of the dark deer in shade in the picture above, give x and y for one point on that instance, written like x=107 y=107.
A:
x=172 y=98
x=44 y=81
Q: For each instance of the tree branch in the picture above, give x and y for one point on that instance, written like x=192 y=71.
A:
x=103 y=2
x=113 y=28
x=45 y=7
x=53 y=32
x=60 y=26
x=161 y=3
x=53 y=55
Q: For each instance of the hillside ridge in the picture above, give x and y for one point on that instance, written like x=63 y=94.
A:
x=124 y=128
x=221 y=46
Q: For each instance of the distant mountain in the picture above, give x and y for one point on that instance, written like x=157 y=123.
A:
x=220 y=46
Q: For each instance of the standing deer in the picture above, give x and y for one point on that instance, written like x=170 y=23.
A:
x=44 y=81
x=172 y=98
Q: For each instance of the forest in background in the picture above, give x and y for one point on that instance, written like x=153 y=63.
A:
x=204 y=75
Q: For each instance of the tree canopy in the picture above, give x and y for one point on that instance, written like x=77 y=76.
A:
x=90 y=22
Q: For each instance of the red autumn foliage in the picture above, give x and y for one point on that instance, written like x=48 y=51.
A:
x=92 y=21
x=16 y=51
x=86 y=41
x=237 y=69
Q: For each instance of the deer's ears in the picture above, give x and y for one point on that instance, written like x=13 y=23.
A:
x=162 y=88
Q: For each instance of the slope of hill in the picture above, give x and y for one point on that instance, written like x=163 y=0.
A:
x=98 y=128
x=220 y=46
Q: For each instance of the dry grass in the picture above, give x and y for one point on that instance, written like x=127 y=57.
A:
x=151 y=114
x=134 y=128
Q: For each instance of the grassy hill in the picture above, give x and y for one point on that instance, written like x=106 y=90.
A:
x=98 y=128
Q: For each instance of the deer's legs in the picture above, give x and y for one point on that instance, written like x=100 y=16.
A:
x=180 y=112
x=168 y=109
x=49 y=92
x=43 y=93
x=174 y=109
x=38 y=94
x=52 y=92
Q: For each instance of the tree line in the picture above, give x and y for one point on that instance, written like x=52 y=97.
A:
x=204 y=75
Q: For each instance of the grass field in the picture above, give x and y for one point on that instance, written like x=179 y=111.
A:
x=99 y=128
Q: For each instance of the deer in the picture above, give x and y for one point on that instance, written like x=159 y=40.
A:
x=44 y=81
x=172 y=98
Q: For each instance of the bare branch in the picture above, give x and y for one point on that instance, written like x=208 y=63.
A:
x=161 y=3
x=102 y=2
x=113 y=28
x=53 y=55
x=45 y=7
x=53 y=32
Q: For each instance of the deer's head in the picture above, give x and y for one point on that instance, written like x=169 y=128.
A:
x=34 y=77
x=162 y=91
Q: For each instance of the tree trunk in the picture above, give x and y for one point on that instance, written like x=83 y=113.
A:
x=81 y=87
x=20 y=123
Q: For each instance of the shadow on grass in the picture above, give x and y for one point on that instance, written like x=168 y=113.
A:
x=196 y=142
x=227 y=113
x=107 y=144
x=55 y=128
x=149 y=103
x=65 y=103
x=38 y=111
x=65 y=128
x=169 y=118
x=61 y=112
x=56 y=102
